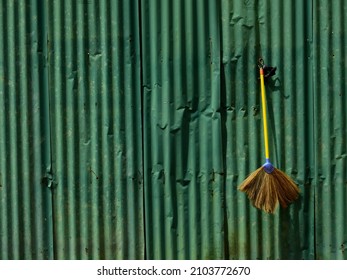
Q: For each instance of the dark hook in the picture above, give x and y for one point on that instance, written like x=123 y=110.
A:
x=269 y=71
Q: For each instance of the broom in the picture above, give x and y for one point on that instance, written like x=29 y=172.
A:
x=268 y=186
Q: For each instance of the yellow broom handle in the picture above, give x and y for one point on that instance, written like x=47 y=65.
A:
x=263 y=101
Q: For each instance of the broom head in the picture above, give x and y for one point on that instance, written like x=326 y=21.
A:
x=268 y=189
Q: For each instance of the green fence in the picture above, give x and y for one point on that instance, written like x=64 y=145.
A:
x=126 y=127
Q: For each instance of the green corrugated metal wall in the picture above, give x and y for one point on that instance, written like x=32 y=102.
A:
x=26 y=227
x=330 y=89
x=126 y=127
x=95 y=99
x=182 y=130
x=280 y=32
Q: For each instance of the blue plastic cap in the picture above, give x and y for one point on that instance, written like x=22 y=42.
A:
x=268 y=167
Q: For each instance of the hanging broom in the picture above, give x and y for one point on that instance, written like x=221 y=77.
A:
x=268 y=186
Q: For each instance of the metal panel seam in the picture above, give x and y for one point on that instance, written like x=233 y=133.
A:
x=139 y=3
x=46 y=53
x=313 y=114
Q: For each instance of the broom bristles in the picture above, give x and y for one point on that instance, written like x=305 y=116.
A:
x=267 y=190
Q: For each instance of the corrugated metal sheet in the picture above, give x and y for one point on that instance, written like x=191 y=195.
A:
x=78 y=78
x=280 y=33
x=96 y=129
x=203 y=130
x=330 y=118
x=184 y=176
x=25 y=200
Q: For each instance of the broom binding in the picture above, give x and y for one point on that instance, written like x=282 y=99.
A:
x=268 y=167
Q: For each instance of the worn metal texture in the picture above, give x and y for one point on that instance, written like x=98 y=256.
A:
x=126 y=127
x=183 y=149
x=280 y=32
x=25 y=170
x=96 y=129
x=203 y=131
x=330 y=76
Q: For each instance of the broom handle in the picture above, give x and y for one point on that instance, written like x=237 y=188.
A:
x=263 y=101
